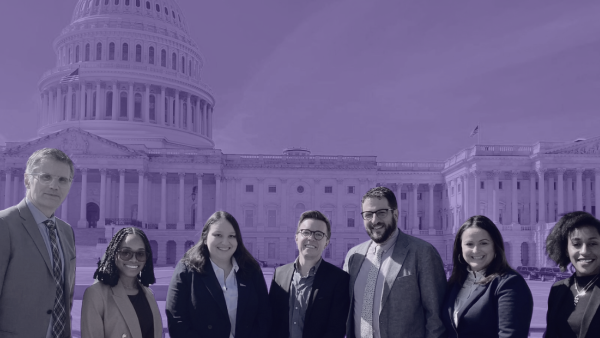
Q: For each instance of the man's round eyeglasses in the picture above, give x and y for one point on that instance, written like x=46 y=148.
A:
x=46 y=179
x=318 y=235
x=126 y=255
x=381 y=213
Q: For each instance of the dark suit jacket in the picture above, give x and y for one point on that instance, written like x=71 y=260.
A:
x=413 y=291
x=328 y=304
x=196 y=305
x=27 y=287
x=590 y=324
x=501 y=308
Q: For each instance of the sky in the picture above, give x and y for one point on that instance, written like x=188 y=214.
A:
x=404 y=80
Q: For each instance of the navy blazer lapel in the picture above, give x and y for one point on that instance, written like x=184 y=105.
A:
x=561 y=292
x=214 y=288
x=284 y=277
x=479 y=290
x=355 y=262
x=31 y=226
x=244 y=298
x=449 y=307
x=320 y=277
x=590 y=310
x=397 y=259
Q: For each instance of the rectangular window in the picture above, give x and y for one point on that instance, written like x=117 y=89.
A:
x=271 y=218
x=272 y=189
x=249 y=188
x=536 y=185
x=481 y=185
x=500 y=185
x=351 y=189
x=350 y=219
x=328 y=190
x=518 y=185
x=249 y=218
x=271 y=252
x=402 y=196
x=419 y=196
x=554 y=185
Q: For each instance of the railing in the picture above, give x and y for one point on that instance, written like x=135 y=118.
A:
x=507 y=227
x=151 y=226
x=295 y=159
x=488 y=150
x=190 y=226
x=102 y=240
x=123 y=221
x=527 y=228
x=413 y=166
x=439 y=232
x=171 y=226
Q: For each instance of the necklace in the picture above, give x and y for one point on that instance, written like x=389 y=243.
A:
x=584 y=290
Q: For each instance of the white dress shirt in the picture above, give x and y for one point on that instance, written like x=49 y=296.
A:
x=230 y=291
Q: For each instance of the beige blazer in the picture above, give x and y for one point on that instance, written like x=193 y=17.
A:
x=27 y=287
x=107 y=312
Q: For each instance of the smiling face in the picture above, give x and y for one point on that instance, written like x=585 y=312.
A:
x=221 y=241
x=477 y=248
x=132 y=267
x=310 y=248
x=47 y=197
x=583 y=247
x=379 y=229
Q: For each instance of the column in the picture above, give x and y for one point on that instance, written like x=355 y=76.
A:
x=50 y=118
x=495 y=198
x=587 y=188
x=203 y=117
x=89 y=105
x=163 y=201
x=83 y=208
x=513 y=199
x=569 y=206
x=115 y=102
x=98 y=101
x=7 y=197
x=140 y=194
x=431 y=222
x=339 y=206
x=58 y=114
x=121 y=193
x=578 y=189
x=45 y=104
x=314 y=194
x=415 y=214
x=550 y=211
x=218 y=196
x=102 y=211
x=197 y=123
x=177 y=122
x=15 y=189
x=146 y=110
x=466 y=192
x=188 y=111
x=560 y=200
x=284 y=200
x=532 y=199
x=108 y=209
x=199 y=216
x=69 y=102
x=475 y=206
x=541 y=196
x=130 y=102
x=145 y=214
x=82 y=107
x=210 y=121
x=597 y=190
x=180 y=219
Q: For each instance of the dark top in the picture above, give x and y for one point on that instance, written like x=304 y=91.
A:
x=569 y=315
x=300 y=289
x=144 y=314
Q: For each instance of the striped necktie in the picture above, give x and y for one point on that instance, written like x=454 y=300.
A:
x=366 y=322
x=59 y=314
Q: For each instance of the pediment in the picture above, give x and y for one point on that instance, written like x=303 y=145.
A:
x=587 y=147
x=74 y=141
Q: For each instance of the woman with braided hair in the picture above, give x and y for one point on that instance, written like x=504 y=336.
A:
x=120 y=303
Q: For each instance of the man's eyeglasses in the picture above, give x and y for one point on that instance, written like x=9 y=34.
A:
x=318 y=235
x=46 y=179
x=126 y=255
x=381 y=213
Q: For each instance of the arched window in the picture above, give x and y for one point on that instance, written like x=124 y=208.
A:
x=173 y=110
x=125 y=53
x=70 y=56
x=163 y=58
x=152 y=108
x=166 y=11
x=137 y=3
x=126 y=2
x=111 y=51
x=76 y=54
x=137 y=108
x=109 y=98
x=173 y=12
x=123 y=107
x=190 y=68
x=99 y=51
x=151 y=55
x=106 y=2
x=174 y=61
x=147 y=4
x=183 y=64
x=157 y=8
x=116 y=2
x=87 y=52
x=184 y=115
x=97 y=2
x=138 y=53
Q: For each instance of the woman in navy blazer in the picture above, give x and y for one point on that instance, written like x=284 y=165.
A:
x=485 y=298
x=218 y=289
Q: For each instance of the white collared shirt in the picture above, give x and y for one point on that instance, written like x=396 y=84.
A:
x=230 y=291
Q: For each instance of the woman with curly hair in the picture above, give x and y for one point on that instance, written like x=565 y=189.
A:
x=218 y=289
x=120 y=303
x=573 y=302
x=485 y=297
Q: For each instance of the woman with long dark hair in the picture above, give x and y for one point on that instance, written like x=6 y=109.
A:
x=120 y=303
x=218 y=289
x=485 y=298
x=573 y=303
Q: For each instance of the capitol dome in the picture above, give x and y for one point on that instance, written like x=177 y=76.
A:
x=127 y=70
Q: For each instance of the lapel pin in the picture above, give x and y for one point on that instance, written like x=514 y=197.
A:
x=242 y=284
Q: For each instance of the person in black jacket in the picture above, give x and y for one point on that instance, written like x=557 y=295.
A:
x=310 y=297
x=486 y=298
x=218 y=289
x=573 y=303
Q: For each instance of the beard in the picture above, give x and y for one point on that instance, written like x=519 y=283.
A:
x=387 y=232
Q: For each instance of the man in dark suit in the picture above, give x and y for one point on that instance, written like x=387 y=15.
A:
x=397 y=281
x=310 y=297
x=37 y=253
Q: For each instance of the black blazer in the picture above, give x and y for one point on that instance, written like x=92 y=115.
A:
x=328 y=304
x=590 y=324
x=502 y=308
x=196 y=307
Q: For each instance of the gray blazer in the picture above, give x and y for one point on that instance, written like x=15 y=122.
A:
x=413 y=292
x=27 y=288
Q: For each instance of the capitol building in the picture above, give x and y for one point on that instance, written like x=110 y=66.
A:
x=137 y=120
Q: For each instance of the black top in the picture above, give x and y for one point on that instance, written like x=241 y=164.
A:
x=144 y=314
x=570 y=316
